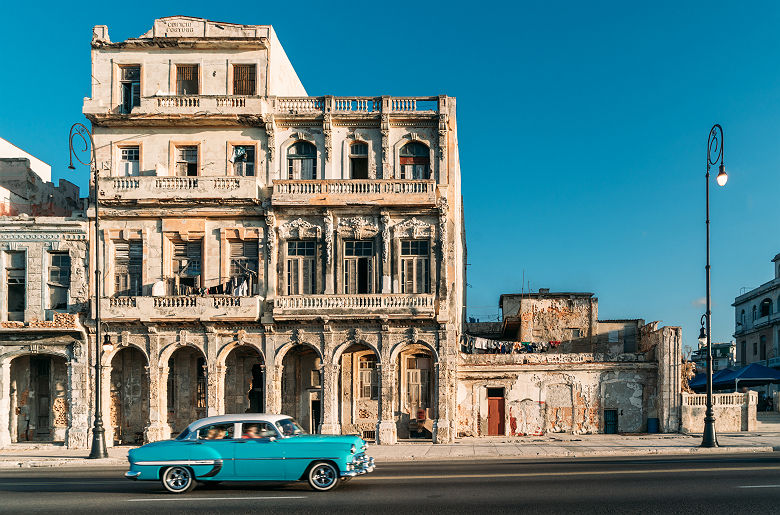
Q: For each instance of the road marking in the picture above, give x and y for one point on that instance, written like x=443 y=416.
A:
x=156 y=499
x=759 y=486
x=572 y=473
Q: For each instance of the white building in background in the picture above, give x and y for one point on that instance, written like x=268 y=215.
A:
x=757 y=322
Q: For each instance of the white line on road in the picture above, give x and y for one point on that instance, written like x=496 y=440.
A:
x=155 y=499
x=759 y=486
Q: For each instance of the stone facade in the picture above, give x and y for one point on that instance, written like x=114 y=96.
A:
x=266 y=250
x=757 y=323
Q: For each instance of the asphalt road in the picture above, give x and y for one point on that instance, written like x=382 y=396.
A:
x=727 y=484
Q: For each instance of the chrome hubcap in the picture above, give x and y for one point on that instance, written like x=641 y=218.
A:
x=177 y=478
x=323 y=476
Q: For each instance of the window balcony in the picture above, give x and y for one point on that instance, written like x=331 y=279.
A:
x=172 y=188
x=379 y=192
x=350 y=306
x=181 y=307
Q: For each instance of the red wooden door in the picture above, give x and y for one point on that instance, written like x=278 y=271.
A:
x=495 y=416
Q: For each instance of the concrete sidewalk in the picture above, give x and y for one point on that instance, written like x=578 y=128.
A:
x=490 y=448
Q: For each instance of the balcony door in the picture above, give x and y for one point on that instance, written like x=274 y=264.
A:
x=358 y=267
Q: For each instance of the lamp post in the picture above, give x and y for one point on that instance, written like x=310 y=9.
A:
x=79 y=131
x=714 y=154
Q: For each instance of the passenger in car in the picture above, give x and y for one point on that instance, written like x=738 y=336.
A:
x=251 y=431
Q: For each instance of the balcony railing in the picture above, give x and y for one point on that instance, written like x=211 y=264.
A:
x=394 y=305
x=355 y=191
x=359 y=105
x=142 y=188
x=180 y=307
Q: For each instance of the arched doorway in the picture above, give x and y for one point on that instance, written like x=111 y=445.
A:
x=187 y=388
x=358 y=401
x=39 y=405
x=415 y=378
x=302 y=387
x=244 y=381
x=129 y=396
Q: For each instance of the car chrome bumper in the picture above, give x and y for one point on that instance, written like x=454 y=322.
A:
x=358 y=466
x=132 y=475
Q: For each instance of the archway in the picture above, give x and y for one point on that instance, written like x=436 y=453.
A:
x=244 y=381
x=39 y=406
x=359 y=382
x=415 y=378
x=187 y=388
x=129 y=396
x=302 y=387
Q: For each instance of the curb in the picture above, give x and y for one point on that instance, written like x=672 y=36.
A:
x=62 y=462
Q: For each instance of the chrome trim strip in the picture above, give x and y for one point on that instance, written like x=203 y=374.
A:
x=176 y=462
x=132 y=475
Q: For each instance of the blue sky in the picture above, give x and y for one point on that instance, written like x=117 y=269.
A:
x=582 y=127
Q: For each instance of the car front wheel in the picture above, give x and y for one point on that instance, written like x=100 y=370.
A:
x=323 y=476
x=178 y=479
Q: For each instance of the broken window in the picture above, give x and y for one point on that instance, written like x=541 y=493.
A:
x=358 y=160
x=415 y=159
x=187 y=79
x=128 y=261
x=243 y=267
x=243 y=160
x=358 y=267
x=59 y=280
x=415 y=267
x=301 y=267
x=244 y=79
x=130 y=87
x=187 y=161
x=15 y=280
x=186 y=267
x=302 y=161
x=367 y=374
x=417 y=379
x=129 y=161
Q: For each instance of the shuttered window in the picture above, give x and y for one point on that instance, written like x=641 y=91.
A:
x=15 y=277
x=415 y=160
x=358 y=160
x=187 y=161
x=369 y=385
x=244 y=261
x=243 y=160
x=187 y=79
x=128 y=164
x=301 y=267
x=186 y=258
x=130 y=88
x=244 y=79
x=415 y=267
x=302 y=161
x=128 y=262
x=358 y=267
x=417 y=382
x=59 y=280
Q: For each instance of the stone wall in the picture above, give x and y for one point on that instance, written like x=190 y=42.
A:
x=733 y=412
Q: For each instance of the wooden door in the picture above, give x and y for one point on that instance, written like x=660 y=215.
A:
x=495 y=412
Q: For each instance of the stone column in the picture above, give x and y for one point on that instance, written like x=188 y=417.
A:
x=158 y=428
x=78 y=402
x=273 y=374
x=386 y=429
x=270 y=255
x=213 y=377
x=444 y=389
x=330 y=375
x=5 y=403
x=105 y=409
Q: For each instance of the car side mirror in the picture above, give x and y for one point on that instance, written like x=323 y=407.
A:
x=271 y=438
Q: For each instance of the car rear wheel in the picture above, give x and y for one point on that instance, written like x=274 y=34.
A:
x=178 y=479
x=323 y=476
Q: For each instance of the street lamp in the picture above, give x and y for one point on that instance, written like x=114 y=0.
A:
x=714 y=154
x=79 y=131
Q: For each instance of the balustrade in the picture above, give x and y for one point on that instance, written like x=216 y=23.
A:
x=193 y=307
x=378 y=303
x=390 y=191
x=151 y=187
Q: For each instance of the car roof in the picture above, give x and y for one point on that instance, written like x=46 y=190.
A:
x=238 y=417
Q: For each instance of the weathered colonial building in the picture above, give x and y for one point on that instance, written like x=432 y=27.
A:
x=757 y=322
x=266 y=250
x=551 y=366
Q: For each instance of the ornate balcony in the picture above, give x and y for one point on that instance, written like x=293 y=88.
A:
x=350 y=306
x=184 y=307
x=201 y=187
x=378 y=192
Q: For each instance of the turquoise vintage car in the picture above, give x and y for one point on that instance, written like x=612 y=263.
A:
x=249 y=447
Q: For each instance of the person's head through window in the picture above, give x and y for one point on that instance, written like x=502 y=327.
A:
x=251 y=431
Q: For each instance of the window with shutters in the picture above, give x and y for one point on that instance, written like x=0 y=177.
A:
x=302 y=161
x=128 y=262
x=368 y=380
x=415 y=266
x=418 y=381
x=129 y=87
x=59 y=280
x=244 y=266
x=244 y=79
x=187 y=161
x=243 y=160
x=186 y=266
x=415 y=160
x=358 y=266
x=129 y=161
x=358 y=160
x=200 y=395
x=15 y=281
x=187 y=79
x=301 y=267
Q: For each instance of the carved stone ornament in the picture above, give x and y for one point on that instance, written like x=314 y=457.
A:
x=355 y=334
x=269 y=130
x=270 y=239
x=326 y=124
x=359 y=227
x=412 y=228
x=328 y=221
x=414 y=335
x=385 y=236
x=299 y=228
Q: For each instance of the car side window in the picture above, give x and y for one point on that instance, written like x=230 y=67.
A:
x=258 y=430
x=216 y=432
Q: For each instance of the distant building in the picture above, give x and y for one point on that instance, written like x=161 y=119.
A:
x=724 y=355
x=9 y=150
x=757 y=322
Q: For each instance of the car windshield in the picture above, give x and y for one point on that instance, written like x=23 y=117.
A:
x=290 y=427
x=184 y=434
